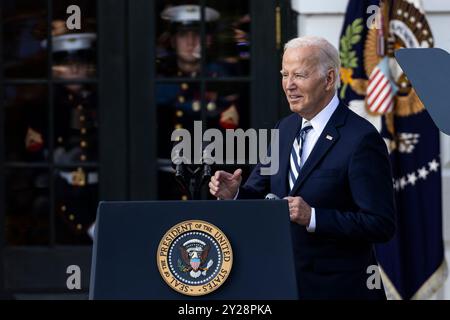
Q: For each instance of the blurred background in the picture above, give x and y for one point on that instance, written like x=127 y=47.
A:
x=86 y=114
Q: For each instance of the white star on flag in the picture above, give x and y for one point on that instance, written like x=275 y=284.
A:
x=412 y=178
x=403 y=182
x=433 y=165
x=395 y=183
x=423 y=173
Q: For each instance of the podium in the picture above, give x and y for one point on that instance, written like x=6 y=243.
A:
x=129 y=251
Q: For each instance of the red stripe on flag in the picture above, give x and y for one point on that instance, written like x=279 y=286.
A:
x=387 y=105
x=388 y=94
x=373 y=75
x=378 y=94
x=373 y=81
x=376 y=85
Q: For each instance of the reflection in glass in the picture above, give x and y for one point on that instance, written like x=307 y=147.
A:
x=231 y=37
x=75 y=124
x=74 y=51
x=179 y=46
x=178 y=106
x=178 y=40
x=76 y=192
x=227 y=105
x=27 y=207
x=228 y=108
x=227 y=39
x=24 y=28
x=26 y=123
x=74 y=62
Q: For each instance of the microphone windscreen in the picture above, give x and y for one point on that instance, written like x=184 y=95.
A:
x=271 y=196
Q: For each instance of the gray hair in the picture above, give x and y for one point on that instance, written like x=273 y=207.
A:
x=328 y=57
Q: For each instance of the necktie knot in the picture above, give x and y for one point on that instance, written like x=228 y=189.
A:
x=304 y=130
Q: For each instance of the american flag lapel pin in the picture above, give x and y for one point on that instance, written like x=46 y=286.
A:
x=329 y=137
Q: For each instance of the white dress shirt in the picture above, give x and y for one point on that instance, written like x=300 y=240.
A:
x=318 y=123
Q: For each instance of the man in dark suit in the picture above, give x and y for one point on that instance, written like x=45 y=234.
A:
x=335 y=174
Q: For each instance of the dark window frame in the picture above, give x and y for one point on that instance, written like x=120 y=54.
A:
x=31 y=269
x=2 y=160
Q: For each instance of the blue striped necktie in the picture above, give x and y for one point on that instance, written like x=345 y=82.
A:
x=296 y=154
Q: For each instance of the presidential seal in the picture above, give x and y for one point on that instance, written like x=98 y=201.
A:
x=194 y=257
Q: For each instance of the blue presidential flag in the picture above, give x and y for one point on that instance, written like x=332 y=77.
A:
x=373 y=85
x=360 y=15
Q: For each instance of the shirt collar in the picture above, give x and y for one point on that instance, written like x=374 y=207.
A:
x=321 y=119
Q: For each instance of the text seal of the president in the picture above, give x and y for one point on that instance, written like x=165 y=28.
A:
x=194 y=257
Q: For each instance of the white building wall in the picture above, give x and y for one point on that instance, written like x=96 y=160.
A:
x=325 y=18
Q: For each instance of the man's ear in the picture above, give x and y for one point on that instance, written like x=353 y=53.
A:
x=330 y=79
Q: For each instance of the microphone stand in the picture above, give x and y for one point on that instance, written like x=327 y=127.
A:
x=192 y=178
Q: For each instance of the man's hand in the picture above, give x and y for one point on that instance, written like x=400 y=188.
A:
x=299 y=210
x=224 y=185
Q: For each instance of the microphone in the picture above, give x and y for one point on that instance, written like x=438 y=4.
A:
x=271 y=196
x=207 y=162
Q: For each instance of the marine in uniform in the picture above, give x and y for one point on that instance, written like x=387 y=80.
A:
x=179 y=103
x=76 y=135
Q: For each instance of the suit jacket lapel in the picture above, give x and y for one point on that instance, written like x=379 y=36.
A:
x=326 y=140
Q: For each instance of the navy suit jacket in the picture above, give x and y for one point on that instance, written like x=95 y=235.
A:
x=347 y=179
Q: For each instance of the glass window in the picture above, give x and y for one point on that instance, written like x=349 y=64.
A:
x=227 y=105
x=195 y=53
x=75 y=124
x=74 y=51
x=26 y=123
x=179 y=45
x=229 y=37
x=51 y=122
x=27 y=207
x=76 y=200
x=24 y=29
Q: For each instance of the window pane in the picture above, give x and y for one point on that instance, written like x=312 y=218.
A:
x=27 y=207
x=178 y=48
x=24 y=29
x=229 y=37
x=178 y=106
x=75 y=124
x=76 y=193
x=26 y=123
x=227 y=105
x=74 y=51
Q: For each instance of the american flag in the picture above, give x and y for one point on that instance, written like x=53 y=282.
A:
x=381 y=90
